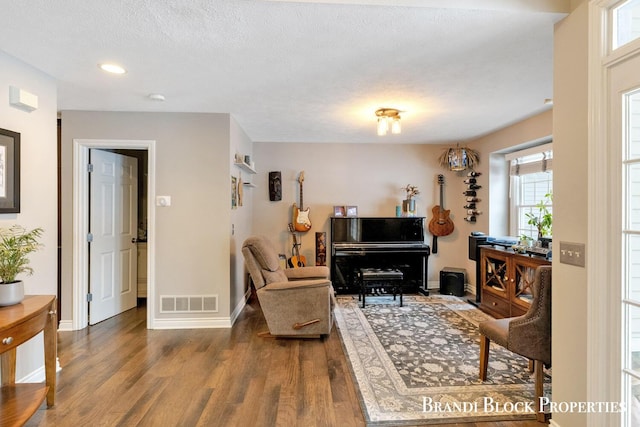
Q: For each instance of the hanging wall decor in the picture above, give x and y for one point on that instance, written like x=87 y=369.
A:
x=472 y=196
x=459 y=158
x=275 y=186
x=9 y=171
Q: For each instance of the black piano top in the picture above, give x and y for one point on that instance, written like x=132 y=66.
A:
x=380 y=231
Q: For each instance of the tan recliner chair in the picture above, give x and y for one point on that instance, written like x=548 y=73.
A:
x=528 y=335
x=296 y=301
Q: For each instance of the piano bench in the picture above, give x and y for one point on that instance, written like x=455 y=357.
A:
x=383 y=278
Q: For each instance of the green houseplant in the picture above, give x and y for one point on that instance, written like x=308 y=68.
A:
x=543 y=221
x=16 y=243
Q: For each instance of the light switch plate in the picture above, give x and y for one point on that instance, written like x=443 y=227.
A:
x=573 y=253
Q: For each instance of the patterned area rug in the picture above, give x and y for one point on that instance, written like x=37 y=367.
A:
x=418 y=364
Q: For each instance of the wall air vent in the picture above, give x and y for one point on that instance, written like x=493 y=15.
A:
x=189 y=304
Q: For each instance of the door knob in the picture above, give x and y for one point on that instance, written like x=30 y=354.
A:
x=134 y=240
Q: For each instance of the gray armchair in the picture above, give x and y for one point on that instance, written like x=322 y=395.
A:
x=528 y=335
x=296 y=301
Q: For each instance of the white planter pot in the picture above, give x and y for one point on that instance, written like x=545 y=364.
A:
x=11 y=293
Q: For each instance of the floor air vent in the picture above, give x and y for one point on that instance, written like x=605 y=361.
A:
x=188 y=303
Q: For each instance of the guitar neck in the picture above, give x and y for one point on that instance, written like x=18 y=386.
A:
x=296 y=250
x=301 y=202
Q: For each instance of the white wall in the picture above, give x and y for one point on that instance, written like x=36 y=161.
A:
x=192 y=166
x=570 y=205
x=38 y=200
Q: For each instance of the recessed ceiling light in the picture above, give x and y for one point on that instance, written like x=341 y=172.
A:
x=156 y=96
x=112 y=68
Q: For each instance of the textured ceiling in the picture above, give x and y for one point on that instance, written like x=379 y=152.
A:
x=297 y=71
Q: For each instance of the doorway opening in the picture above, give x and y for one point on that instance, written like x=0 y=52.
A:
x=81 y=192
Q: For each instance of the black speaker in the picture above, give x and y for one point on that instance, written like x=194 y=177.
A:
x=452 y=281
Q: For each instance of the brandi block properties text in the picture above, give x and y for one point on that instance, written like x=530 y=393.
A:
x=490 y=405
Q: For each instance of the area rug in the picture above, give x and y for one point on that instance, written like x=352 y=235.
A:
x=418 y=364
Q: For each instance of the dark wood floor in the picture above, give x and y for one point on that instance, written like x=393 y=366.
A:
x=118 y=373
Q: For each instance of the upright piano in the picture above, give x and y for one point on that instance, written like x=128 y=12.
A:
x=378 y=242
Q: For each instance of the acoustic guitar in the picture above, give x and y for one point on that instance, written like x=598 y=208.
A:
x=301 y=220
x=296 y=259
x=440 y=224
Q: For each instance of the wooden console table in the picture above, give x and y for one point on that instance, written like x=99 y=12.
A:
x=506 y=279
x=18 y=324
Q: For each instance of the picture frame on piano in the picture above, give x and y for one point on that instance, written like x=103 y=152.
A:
x=352 y=211
x=339 y=211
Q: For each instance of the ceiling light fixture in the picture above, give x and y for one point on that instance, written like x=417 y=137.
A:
x=112 y=68
x=388 y=118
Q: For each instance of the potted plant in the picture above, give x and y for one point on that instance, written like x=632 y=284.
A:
x=16 y=243
x=409 y=204
x=543 y=221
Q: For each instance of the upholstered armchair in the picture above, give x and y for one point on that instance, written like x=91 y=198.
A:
x=528 y=335
x=296 y=301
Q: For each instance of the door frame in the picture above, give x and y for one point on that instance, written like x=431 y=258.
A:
x=604 y=319
x=80 y=249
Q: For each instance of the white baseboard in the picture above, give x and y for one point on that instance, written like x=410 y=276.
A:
x=185 y=323
x=553 y=423
x=38 y=376
x=65 y=326
x=241 y=305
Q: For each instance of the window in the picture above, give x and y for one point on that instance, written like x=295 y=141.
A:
x=626 y=23
x=531 y=185
x=631 y=253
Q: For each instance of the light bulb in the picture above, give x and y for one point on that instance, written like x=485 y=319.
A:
x=383 y=126
x=395 y=125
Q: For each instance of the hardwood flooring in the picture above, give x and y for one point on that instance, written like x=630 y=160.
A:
x=118 y=373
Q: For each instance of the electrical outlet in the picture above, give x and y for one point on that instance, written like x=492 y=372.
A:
x=573 y=253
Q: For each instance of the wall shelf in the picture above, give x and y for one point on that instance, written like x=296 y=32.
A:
x=245 y=167
x=249 y=184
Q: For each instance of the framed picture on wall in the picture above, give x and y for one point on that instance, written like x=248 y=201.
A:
x=234 y=192
x=352 y=211
x=9 y=171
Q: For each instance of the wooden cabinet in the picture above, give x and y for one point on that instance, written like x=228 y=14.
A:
x=506 y=281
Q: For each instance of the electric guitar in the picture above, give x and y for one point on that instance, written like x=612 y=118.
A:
x=301 y=221
x=440 y=224
x=296 y=259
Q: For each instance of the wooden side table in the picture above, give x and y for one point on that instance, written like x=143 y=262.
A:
x=18 y=324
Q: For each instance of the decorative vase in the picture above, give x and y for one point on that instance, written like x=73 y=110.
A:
x=409 y=207
x=11 y=293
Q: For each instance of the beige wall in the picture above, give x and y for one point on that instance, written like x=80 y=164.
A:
x=241 y=218
x=38 y=183
x=370 y=176
x=192 y=166
x=570 y=206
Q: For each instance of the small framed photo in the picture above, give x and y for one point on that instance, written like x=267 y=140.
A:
x=352 y=211
x=339 y=211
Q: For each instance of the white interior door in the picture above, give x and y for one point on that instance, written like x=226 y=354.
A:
x=113 y=216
